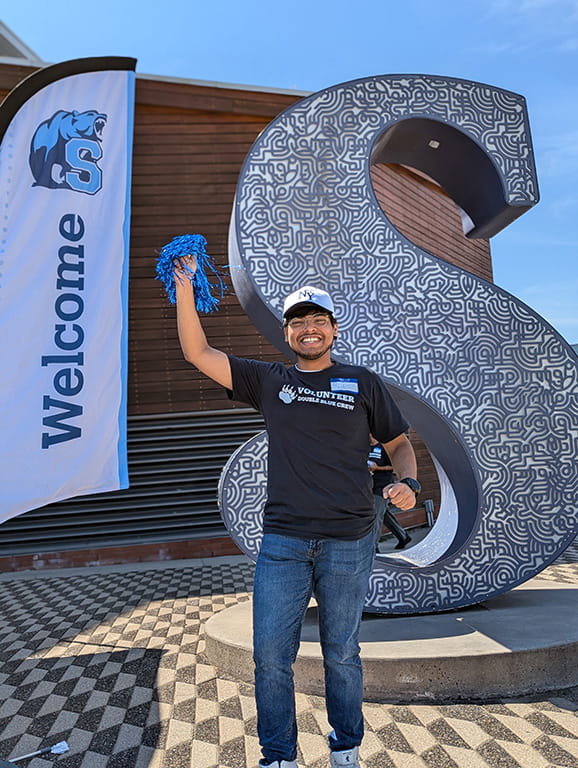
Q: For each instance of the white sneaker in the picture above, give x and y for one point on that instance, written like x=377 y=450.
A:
x=277 y=764
x=347 y=757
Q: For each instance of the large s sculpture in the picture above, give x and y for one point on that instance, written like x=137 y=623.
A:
x=488 y=385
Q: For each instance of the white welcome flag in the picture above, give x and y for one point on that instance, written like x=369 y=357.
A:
x=65 y=167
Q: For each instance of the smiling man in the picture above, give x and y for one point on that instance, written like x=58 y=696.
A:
x=318 y=526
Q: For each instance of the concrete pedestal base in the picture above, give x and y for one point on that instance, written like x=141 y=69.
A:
x=516 y=644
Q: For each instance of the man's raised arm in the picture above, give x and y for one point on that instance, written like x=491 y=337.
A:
x=212 y=362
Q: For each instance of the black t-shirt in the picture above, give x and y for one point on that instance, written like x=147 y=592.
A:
x=318 y=423
x=381 y=477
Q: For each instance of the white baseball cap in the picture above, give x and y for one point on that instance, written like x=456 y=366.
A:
x=308 y=296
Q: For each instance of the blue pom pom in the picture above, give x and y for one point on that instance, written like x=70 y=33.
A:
x=195 y=246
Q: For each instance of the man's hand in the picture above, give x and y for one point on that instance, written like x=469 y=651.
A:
x=400 y=495
x=185 y=268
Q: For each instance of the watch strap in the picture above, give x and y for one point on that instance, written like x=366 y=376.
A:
x=412 y=483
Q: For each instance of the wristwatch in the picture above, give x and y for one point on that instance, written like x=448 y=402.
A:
x=412 y=483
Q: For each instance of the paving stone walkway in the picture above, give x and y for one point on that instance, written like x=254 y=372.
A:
x=112 y=661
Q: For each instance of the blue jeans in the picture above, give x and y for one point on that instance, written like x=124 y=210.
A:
x=288 y=572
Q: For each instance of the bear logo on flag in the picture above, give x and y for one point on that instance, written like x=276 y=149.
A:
x=65 y=150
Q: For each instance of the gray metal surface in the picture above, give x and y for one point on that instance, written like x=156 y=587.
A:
x=488 y=385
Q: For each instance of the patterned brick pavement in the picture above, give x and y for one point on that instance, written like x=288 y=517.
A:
x=112 y=662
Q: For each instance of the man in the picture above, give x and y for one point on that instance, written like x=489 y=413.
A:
x=318 y=529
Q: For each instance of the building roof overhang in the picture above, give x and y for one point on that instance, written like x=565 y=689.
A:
x=14 y=51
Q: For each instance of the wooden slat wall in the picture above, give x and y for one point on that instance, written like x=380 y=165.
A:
x=189 y=144
x=186 y=165
x=427 y=216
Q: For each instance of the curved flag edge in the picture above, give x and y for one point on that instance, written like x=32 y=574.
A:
x=40 y=78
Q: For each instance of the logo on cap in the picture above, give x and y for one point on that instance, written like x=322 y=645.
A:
x=308 y=295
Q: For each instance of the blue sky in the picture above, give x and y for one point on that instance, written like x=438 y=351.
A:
x=526 y=46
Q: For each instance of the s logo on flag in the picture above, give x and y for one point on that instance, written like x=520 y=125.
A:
x=65 y=149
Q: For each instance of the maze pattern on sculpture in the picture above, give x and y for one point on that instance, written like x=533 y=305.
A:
x=243 y=493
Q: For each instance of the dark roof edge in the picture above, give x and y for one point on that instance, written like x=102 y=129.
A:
x=225 y=86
